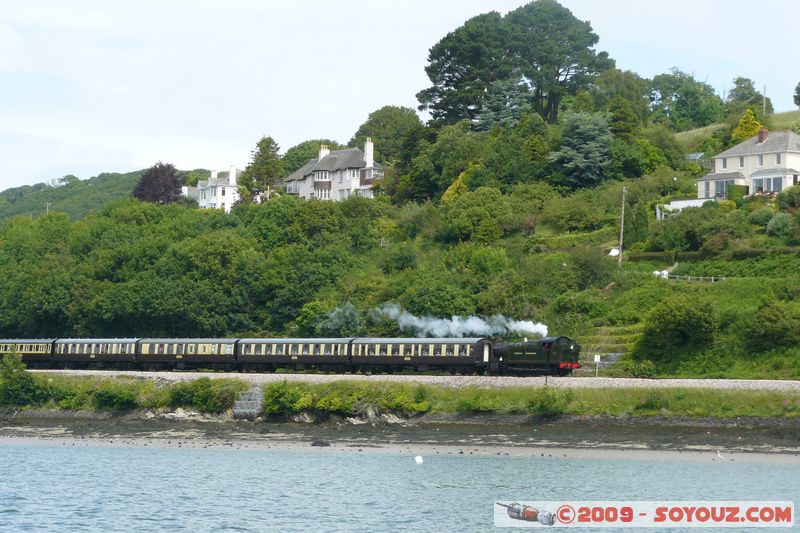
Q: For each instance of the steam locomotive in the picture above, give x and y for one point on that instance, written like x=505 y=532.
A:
x=550 y=355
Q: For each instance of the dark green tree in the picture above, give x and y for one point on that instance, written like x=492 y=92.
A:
x=390 y=128
x=625 y=84
x=159 y=184
x=300 y=154
x=682 y=102
x=585 y=150
x=555 y=52
x=265 y=170
x=797 y=94
x=505 y=105
x=623 y=120
x=744 y=96
x=462 y=66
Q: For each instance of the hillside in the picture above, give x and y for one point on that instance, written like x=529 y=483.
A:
x=777 y=121
x=311 y=268
x=78 y=198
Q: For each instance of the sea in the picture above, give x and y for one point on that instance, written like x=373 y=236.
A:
x=58 y=487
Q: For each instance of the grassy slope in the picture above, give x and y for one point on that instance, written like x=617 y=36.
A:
x=778 y=121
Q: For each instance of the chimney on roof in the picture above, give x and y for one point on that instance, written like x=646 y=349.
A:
x=213 y=174
x=762 y=135
x=323 y=150
x=369 y=153
x=233 y=175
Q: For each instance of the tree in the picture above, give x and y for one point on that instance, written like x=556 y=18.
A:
x=462 y=66
x=390 y=128
x=159 y=184
x=585 y=150
x=265 y=169
x=682 y=102
x=625 y=84
x=300 y=154
x=554 y=51
x=797 y=94
x=623 y=121
x=747 y=127
x=744 y=95
x=505 y=105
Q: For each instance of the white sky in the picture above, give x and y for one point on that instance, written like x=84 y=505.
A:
x=91 y=86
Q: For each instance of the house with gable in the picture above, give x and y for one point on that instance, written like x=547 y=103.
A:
x=336 y=175
x=766 y=163
x=220 y=191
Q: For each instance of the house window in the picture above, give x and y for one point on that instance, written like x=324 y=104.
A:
x=767 y=185
x=761 y=160
x=724 y=162
x=741 y=162
x=777 y=159
x=353 y=172
x=708 y=189
x=721 y=187
x=223 y=191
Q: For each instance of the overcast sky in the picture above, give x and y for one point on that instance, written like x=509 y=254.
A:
x=92 y=86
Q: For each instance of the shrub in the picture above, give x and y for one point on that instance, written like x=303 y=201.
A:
x=776 y=323
x=116 y=396
x=642 y=369
x=779 y=225
x=283 y=398
x=17 y=385
x=789 y=198
x=761 y=216
x=205 y=394
x=548 y=402
x=676 y=325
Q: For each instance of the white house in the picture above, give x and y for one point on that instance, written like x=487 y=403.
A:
x=765 y=163
x=215 y=192
x=336 y=175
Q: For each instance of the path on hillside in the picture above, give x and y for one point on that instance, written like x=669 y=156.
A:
x=459 y=381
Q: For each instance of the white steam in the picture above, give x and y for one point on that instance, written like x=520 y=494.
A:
x=460 y=326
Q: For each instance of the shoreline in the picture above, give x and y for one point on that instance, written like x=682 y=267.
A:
x=762 y=440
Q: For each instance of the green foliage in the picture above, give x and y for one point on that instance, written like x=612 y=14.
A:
x=776 y=323
x=682 y=103
x=542 y=41
x=761 y=216
x=779 y=225
x=676 y=325
x=391 y=128
x=744 y=96
x=789 y=198
x=474 y=216
x=264 y=170
x=642 y=369
x=747 y=127
x=505 y=105
x=17 y=385
x=205 y=394
x=797 y=94
x=585 y=150
x=115 y=396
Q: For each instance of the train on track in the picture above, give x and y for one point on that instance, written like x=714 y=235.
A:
x=477 y=355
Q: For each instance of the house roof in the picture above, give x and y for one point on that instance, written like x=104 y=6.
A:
x=733 y=175
x=773 y=171
x=780 y=141
x=694 y=156
x=336 y=160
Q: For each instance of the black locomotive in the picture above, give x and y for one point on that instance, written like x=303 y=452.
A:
x=550 y=355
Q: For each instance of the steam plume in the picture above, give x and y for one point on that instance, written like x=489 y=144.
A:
x=459 y=326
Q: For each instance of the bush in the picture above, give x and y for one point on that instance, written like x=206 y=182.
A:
x=761 y=216
x=779 y=225
x=776 y=323
x=789 y=198
x=115 y=396
x=548 y=402
x=283 y=399
x=642 y=369
x=17 y=385
x=677 y=325
x=205 y=394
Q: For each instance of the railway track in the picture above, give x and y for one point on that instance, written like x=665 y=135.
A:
x=456 y=381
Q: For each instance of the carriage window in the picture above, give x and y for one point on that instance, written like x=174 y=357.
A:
x=423 y=350
x=247 y=348
x=228 y=349
x=382 y=349
x=306 y=348
x=279 y=349
x=214 y=348
x=179 y=349
x=449 y=350
x=123 y=348
x=467 y=350
x=317 y=349
x=191 y=348
x=160 y=348
x=437 y=350
x=328 y=349
x=293 y=348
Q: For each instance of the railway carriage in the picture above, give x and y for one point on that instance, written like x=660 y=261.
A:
x=94 y=351
x=31 y=350
x=328 y=353
x=421 y=353
x=187 y=352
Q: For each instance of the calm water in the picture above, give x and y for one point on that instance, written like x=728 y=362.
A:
x=53 y=488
